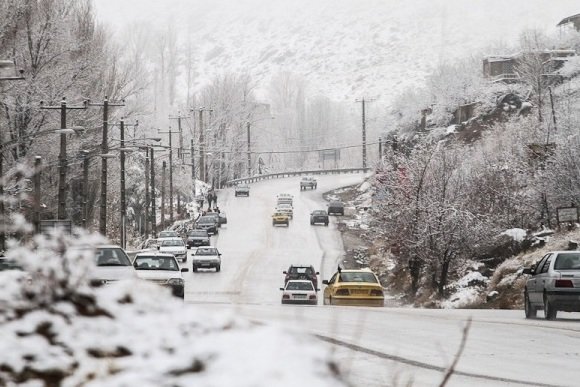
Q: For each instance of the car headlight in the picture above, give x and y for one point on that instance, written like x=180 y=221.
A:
x=181 y=252
x=175 y=281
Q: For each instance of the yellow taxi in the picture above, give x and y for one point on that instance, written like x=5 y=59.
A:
x=280 y=218
x=354 y=287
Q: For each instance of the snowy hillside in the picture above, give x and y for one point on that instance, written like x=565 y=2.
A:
x=344 y=48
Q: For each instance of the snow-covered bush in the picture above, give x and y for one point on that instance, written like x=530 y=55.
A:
x=58 y=331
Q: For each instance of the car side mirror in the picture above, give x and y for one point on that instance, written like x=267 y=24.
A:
x=158 y=247
x=527 y=270
x=284 y=272
x=184 y=270
x=317 y=289
x=325 y=282
x=219 y=254
x=317 y=273
x=281 y=288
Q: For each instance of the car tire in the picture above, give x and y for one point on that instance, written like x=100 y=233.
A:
x=326 y=224
x=218 y=268
x=312 y=223
x=185 y=260
x=194 y=268
x=549 y=311
x=529 y=309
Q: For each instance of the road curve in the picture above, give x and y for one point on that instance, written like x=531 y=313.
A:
x=375 y=346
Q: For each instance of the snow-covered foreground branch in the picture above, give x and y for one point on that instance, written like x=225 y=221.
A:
x=57 y=330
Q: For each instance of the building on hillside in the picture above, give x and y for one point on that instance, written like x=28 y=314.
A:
x=504 y=68
x=464 y=113
x=570 y=22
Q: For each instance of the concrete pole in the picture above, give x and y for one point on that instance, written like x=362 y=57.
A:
x=36 y=218
x=104 y=151
x=153 y=201
x=61 y=212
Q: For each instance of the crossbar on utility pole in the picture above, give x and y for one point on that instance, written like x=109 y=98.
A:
x=179 y=117
x=104 y=151
x=62 y=158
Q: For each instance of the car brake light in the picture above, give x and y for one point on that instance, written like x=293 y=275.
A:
x=286 y=296
x=376 y=292
x=342 y=292
x=564 y=283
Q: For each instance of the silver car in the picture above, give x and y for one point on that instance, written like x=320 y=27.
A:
x=206 y=258
x=554 y=284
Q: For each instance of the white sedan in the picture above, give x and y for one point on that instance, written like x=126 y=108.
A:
x=299 y=292
x=174 y=246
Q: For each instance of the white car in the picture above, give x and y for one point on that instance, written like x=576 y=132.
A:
x=167 y=234
x=285 y=209
x=174 y=246
x=112 y=264
x=161 y=269
x=299 y=292
x=284 y=198
x=207 y=258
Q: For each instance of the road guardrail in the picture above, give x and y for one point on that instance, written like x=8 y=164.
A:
x=281 y=175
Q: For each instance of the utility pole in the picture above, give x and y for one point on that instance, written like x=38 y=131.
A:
x=85 y=189
x=364 y=131
x=163 y=194
x=192 y=168
x=153 y=201
x=170 y=132
x=202 y=171
x=36 y=217
x=3 y=219
x=123 y=198
x=62 y=160
x=178 y=118
x=104 y=154
x=147 y=200
x=249 y=150
x=380 y=149
x=553 y=115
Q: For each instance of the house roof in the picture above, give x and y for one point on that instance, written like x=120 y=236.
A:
x=569 y=19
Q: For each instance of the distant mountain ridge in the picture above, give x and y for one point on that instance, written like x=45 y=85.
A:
x=344 y=48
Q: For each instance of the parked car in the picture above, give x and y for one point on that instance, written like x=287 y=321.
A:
x=301 y=272
x=554 y=284
x=207 y=223
x=161 y=269
x=242 y=190
x=319 y=216
x=112 y=264
x=285 y=209
x=299 y=292
x=223 y=218
x=354 y=287
x=197 y=238
x=174 y=246
x=308 y=182
x=206 y=258
x=216 y=217
x=280 y=218
x=336 y=207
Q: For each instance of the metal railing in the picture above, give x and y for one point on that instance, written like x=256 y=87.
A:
x=281 y=175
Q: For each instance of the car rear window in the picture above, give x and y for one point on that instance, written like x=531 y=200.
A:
x=172 y=242
x=357 y=277
x=111 y=256
x=301 y=270
x=201 y=233
x=299 y=286
x=167 y=234
x=206 y=251
x=568 y=261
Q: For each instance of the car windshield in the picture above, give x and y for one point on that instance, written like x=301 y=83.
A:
x=306 y=285
x=568 y=261
x=172 y=242
x=206 y=251
x=167 y=234
x=200 y=233
x=152 y=262
x=112 y=256
x=357 y=276
x=301 y=270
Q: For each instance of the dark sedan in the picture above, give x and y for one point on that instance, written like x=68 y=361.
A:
x=208 y=223
x=319 y=216
x=336 y=208
x=197 y=238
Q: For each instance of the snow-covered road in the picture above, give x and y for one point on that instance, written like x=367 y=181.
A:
x=376 y=346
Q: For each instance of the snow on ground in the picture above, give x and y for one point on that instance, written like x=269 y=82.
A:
x=467 y=290
x=517 y=234
x=60 y=331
